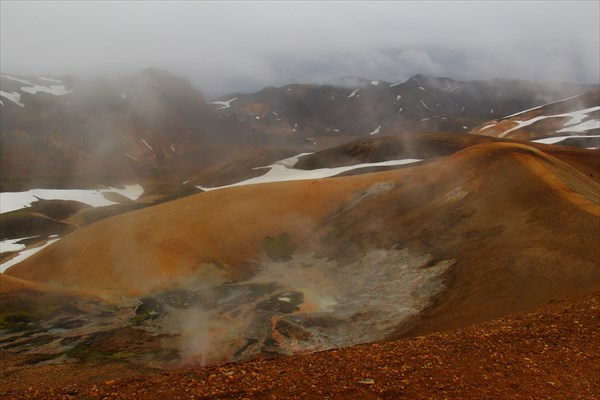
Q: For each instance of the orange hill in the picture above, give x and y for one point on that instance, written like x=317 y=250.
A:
x=521 y=225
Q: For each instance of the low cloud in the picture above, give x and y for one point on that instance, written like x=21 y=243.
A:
x=242 y=46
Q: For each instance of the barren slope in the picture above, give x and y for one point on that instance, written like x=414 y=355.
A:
x=523 y=236
x=292 y=267
x=546 y=353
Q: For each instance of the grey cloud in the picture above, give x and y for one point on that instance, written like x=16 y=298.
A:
x=229 y=46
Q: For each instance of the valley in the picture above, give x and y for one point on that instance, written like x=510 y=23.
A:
x=146 y=228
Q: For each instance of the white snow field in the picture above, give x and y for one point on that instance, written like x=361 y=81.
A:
x=223 y=104
x=556 y=139
x=23 y=255
x=575 y=124
x=57 y=89
x=10 y=201
x=283 y=171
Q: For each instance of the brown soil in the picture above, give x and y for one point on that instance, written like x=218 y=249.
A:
x=228 y=226
x=551 y=352
x=520 y=239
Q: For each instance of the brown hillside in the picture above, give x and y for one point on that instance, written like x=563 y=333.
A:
x=296 y=267
x=213 y=236
x=521 y=225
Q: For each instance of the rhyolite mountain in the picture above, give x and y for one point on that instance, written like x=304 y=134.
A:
x=357 y=107
x=71 y=132
x=156 y=127
x=493 y=228
x=472 y=228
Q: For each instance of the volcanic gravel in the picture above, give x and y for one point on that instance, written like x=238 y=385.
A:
x=549 y=353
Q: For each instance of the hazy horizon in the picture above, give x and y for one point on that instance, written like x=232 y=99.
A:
x=224 y=47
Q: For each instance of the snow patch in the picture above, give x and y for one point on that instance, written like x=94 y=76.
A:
x=488 y=126
x=422 y=88
x=283 y=171
x=224 y=104
x=11 y=201
x=375 y=83
x=574 y=124
x=425 y=105
x=396 y=84
x=25 y=254
x=12 y=96
x=12 y=78
x=582 y=127
x=32 y=88
x=57 y=90
x=132 y=157
x=354 y=93
x=398 y=97
x=147 y=145
x=9 y=245
x=556 y=139
x=376 y=131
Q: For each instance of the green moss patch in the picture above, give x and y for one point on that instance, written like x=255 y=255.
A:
x=279 y=249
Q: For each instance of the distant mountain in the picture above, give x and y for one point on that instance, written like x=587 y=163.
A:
x=71 y=132
x=152 y=126
x=351 y=107
x=573 y=121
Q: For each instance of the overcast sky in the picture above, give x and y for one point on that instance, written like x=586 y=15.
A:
x=227 y=46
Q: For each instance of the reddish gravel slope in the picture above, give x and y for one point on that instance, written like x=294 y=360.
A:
x=552 y=352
